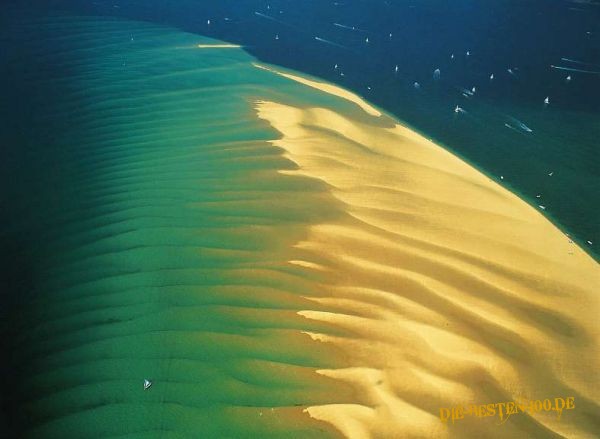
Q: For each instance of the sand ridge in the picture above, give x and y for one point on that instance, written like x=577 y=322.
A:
x=319 y=272
x=459 y=292
x=326 y=88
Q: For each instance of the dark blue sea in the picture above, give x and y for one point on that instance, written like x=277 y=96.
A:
x=388 y=52
x=547 y=153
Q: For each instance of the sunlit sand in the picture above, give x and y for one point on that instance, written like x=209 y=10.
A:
x=327 y=88
x=277 y=257
x=458 y=291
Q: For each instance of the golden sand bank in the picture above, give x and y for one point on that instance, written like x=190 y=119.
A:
x=458 y=292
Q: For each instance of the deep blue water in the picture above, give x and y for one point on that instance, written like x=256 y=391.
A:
x=526 y=37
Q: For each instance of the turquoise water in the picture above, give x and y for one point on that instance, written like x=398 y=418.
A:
x=525 y=36
x=148 y=233
x=146 y=229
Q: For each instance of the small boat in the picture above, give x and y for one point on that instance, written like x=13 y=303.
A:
x=147 y=384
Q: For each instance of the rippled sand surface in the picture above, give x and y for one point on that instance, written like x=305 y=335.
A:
x=278 y=257
x=457 y=292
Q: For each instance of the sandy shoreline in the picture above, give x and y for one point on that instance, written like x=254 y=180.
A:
x=459 y=290
x=317 y=272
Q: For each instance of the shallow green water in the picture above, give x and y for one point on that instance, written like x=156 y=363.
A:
x=526 y=36
x=148 y=235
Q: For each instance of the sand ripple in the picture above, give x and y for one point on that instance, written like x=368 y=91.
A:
x=275 y=254
x=456 y=291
